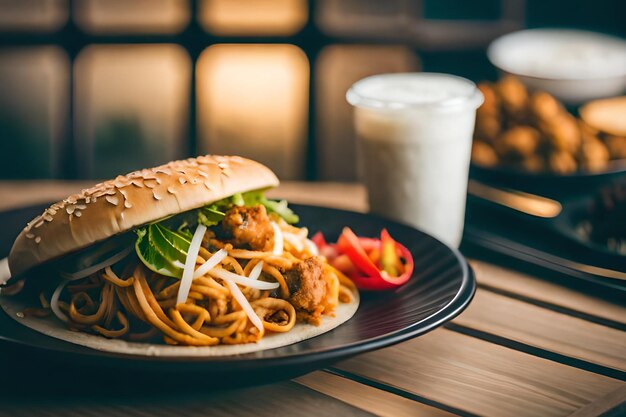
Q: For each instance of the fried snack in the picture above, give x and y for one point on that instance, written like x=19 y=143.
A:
x=544 y=107
x=534 y=132
x=518 y=142
x=616 y=146
x=562 y=162
x=533 y=163
x=491 y=103
x=487 y=128
x=563 y=133
x=483 y=154
x=514 y=97
x=594 y=155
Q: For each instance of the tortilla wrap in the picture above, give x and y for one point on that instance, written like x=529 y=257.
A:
x=51 y=326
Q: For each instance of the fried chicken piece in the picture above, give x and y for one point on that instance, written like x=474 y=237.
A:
x=563 y=133
x=518 y=142
x=545 y=107
x=483 y=154
x=491 y=103
x=249 y=227
x=306 y=284
x=487 y=127
x=616 y=146
x=594 y=155
x=533 y=163
x=562 y=163
x=514 y=97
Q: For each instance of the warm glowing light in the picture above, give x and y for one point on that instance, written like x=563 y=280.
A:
x=34 y=83
x=337 y=68
x=131 y=104
x=253 y=101
x=253 y=17
x=132 y=16
x=32 y=15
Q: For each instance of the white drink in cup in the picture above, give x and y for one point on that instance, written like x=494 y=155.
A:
x=415 y=137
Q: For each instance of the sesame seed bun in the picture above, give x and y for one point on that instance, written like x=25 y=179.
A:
x=606 y=115
x=128 y=201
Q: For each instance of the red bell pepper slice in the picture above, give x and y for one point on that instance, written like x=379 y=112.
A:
x=349 y=244
x=373 y=264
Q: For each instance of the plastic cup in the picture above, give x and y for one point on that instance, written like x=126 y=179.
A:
x=415 y=137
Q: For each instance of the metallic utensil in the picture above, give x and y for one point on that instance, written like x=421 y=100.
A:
x=527 y=203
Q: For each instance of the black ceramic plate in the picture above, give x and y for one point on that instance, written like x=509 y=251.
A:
x=440 y=289
x=546 y=181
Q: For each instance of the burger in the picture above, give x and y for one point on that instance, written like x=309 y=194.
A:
x=190 y=253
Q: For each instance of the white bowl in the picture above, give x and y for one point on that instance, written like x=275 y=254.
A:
x=573 y=65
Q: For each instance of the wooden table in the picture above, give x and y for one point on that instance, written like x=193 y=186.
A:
x=524 y=347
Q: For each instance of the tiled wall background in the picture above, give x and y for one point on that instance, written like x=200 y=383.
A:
x=92 y=88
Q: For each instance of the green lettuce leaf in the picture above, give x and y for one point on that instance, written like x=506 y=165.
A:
x=210 y=216
x=162 y=250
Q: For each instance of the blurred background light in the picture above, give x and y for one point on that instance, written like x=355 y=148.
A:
x=34 y=85
x=132 y=16
x=253 y=101
x=132 y=106
x=253 y=17
x=32 y=15
x=336 y=69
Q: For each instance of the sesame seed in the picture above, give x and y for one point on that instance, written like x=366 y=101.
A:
x=127 y=204
x=171 y=190
x=70 y=208
x=20 y=314
x=48 y=217
x=78 y=213
x=112 y=199
x=38 y=239
x=182 y=180
x=39 y=224
x=81 y=206
x=30 y=235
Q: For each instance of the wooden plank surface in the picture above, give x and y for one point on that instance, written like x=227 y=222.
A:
x=546 y=329
x=376 y=401
x=480 y=377
x=533 y=287
x=281 y=399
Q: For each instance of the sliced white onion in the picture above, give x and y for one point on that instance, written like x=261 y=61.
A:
x=72 y=276
x=212 y=262
x=178 y=264
x=256 y=271
x=294 y=240
x=221 y=273
x=311 y=247
x=243 y=302
x=190 y=263
x=5 y=273
x=278 y=240
x=54 y=302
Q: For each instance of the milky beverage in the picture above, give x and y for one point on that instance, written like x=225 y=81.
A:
x=415 y=136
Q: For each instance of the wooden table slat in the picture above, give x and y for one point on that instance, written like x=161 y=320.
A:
x=481 y=378
x=525 y=285
x=381 y=403
x=545 y=329
x=281 y=399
